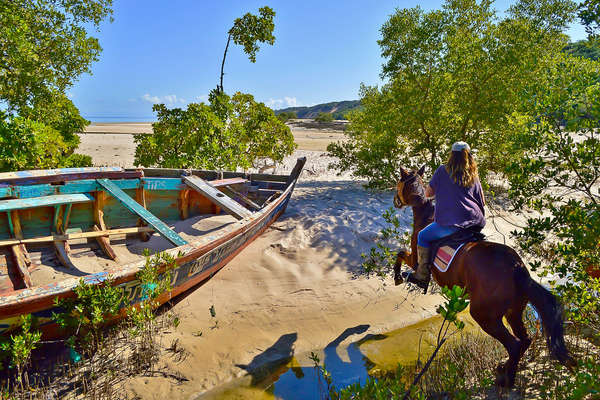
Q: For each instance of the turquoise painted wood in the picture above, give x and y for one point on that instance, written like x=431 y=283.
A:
x=34 y=202
x=136 y=208
x=217 y=197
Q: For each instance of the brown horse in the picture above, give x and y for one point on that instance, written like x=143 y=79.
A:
x=496 y=279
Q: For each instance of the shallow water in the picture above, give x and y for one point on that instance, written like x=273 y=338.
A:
x=368 y=355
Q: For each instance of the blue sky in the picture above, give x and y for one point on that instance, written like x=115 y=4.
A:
x=170 y=52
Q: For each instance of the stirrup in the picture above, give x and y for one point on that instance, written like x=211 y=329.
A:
x=409 y=276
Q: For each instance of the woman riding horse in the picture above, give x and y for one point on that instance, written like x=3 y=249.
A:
x=493 y=274
x=459 y=205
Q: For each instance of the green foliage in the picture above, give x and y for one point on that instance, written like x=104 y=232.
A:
x=584 y=48
x=19 y=347
x=59 y=113
x=45 y=46
x=381 y=258
x=589 y=14
x=154 y=283
x=456 y=302
x=229 y=133
x=324 y=117
x=250 y=30
x=560 y=137
x=27 y=144
x=86 y=314
x=453 y=74
x=286 y=115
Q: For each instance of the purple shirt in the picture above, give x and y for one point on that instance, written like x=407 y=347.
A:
x=456 y=205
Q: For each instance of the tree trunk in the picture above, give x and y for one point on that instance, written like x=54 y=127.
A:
x=220 y=87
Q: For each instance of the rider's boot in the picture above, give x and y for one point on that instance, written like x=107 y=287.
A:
x=422 y=275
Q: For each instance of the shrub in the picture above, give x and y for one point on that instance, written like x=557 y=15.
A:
x=286 y=116
x=228 y=133
x=324 y=117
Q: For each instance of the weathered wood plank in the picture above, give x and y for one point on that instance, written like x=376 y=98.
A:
x=46 y=201
x=148 y=217
x=68 y=176
x=34 y=173
x=269 y=177
x=217 y=197
x=75 y=236
x=20 y=255
x=103 y=241
x=228 y=181
x=297 y=170
x=140 y=197
x=243 y=198
x=62 y=253
x=184 y=203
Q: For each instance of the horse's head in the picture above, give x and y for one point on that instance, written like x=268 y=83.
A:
x=410 y=190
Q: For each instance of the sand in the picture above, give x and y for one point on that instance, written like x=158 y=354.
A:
x=112 y=143
x=294 y=289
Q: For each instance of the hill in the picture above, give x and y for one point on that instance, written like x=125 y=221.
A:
x=337 y=108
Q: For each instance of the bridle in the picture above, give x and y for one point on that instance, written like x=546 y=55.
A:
x=399 y=200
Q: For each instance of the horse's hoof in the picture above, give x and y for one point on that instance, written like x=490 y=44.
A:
x=502 y=377
x=398 y=279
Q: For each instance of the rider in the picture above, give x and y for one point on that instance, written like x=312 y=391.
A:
x=459 y=205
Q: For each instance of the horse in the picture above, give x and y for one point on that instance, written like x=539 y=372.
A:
x=496 y=279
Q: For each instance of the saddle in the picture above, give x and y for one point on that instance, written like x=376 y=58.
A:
x=443 y=251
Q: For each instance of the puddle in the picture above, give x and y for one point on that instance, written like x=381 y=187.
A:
x=295 y=378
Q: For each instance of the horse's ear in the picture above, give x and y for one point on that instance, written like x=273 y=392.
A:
x=422 y=170
x=403 y=173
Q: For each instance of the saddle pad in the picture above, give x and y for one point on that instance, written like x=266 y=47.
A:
x=444 y=256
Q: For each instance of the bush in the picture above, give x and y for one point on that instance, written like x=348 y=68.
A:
x=286 y=116
x=27 y=144
x=228 y=133
x=324 y=117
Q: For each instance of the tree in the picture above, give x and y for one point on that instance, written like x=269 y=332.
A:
x=558 y=177
x=26 y=144
x=324 y=117
x=453 y=74
x=584 y=48
x=44 y=47
x=589 y=14
x=248 y=31
x=286 y=116
x=228 y=133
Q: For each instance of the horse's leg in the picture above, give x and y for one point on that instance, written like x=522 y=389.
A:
x=493 y=326
x=403 y=257
x=514 y=316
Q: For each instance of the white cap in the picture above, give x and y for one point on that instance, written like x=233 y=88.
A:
x=459 y=146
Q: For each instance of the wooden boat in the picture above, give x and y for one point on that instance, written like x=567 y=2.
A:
x=59 y=226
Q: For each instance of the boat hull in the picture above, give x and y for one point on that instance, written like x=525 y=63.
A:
x=195 y=262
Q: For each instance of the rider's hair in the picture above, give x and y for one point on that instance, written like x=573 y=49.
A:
x=462 y=168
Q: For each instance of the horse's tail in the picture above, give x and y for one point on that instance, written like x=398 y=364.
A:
x=550 y=313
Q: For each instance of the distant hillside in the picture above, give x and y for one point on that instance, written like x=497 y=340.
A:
x=337 y=108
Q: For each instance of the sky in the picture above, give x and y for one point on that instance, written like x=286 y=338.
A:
x=170 y=52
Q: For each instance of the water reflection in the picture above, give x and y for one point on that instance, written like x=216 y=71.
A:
x=305 y=383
